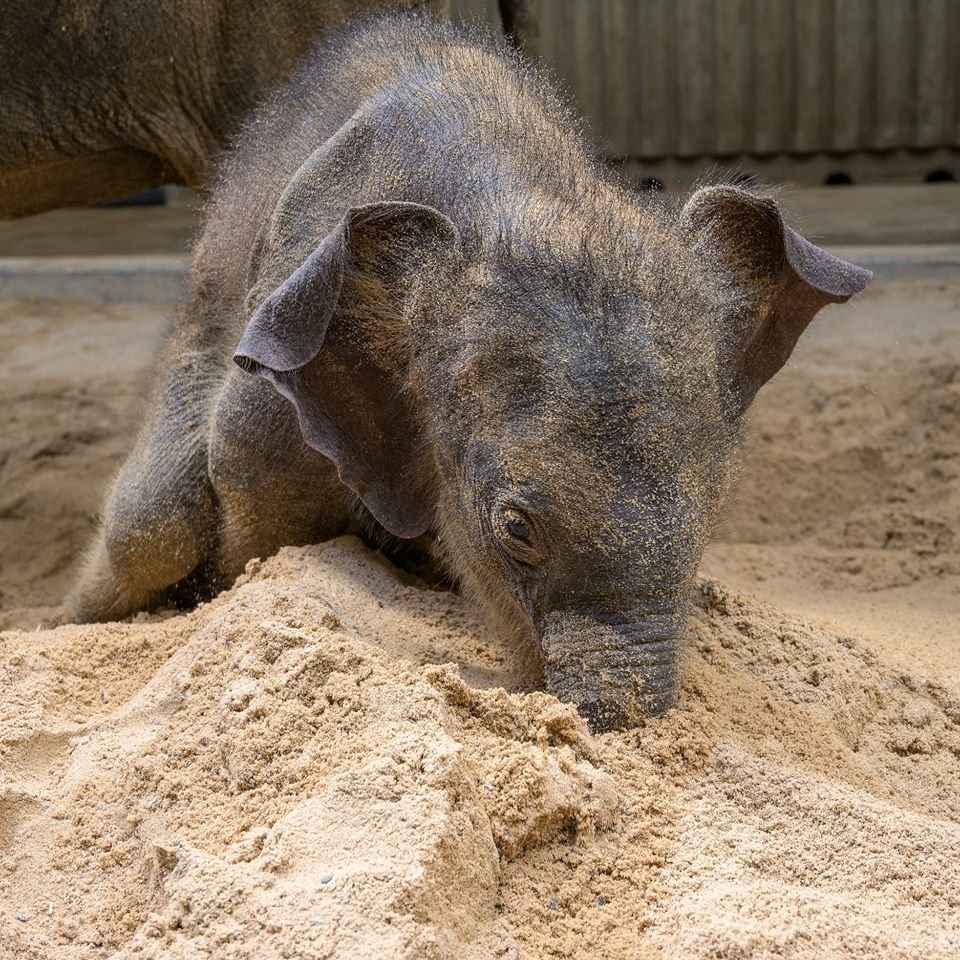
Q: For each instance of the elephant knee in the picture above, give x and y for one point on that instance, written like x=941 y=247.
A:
x=154 y=539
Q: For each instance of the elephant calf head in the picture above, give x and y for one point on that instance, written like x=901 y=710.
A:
x=562 y=410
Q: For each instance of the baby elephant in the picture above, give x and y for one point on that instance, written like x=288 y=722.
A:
x=420 y=306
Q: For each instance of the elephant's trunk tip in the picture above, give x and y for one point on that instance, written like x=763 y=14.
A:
x=617 y=676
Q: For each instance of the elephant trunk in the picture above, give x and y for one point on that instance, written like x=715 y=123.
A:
x=616 y=669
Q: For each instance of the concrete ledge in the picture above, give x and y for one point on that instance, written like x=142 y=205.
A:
x=159 y=278
x=145 y=279
x=940 y=261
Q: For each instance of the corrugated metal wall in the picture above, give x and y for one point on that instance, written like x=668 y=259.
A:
x=689 y=78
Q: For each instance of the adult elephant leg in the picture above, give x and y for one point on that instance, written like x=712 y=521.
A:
x=272 y=489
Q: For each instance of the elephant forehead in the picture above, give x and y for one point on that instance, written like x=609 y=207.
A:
x=611 y=429
x=578 y=483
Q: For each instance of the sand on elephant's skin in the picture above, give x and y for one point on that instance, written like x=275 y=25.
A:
x=334 y=760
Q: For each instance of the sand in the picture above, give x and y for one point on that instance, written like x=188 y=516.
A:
x=332 y=759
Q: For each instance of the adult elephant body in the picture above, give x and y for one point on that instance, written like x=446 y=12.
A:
x=103 y=98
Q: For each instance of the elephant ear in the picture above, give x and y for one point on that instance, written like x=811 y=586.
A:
x=332 y=339
x=781 y=279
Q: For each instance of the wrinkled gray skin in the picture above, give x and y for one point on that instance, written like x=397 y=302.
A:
x=102 y=98
x=483 y=338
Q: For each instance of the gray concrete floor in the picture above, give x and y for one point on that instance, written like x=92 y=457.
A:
x=107 y=231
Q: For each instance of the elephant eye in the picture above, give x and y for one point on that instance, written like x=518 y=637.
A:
x=517 y=535
x=516 y=526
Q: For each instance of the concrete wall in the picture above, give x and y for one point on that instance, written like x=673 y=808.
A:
x=673 y=80
x=692 y=77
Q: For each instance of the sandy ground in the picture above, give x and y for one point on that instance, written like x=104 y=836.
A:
x=331 y=760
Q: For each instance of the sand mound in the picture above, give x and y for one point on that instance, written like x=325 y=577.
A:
x=292 y=770
x=266 y=777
